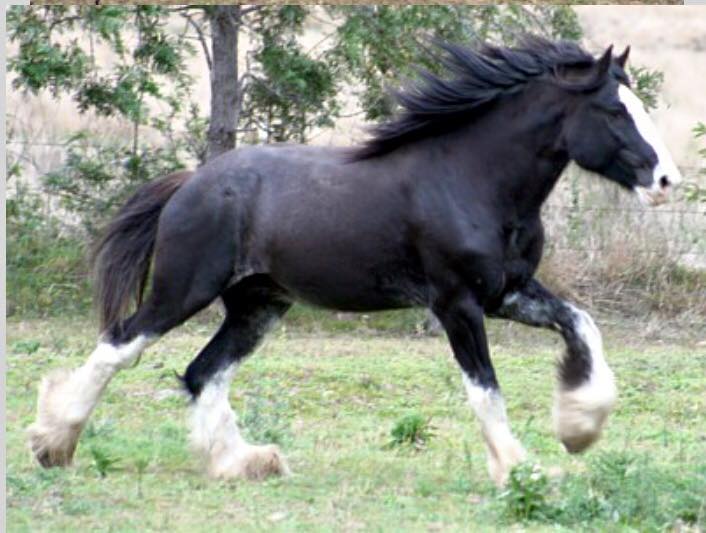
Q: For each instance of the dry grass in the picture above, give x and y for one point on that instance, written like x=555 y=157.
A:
x=609 y=253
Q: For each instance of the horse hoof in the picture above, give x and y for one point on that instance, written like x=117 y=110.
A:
x=577 y=430
x=500 y=464
x=253 y=463
x=579 y=414
x=51 y=446
x=52 y=437
x=262 y=462
x=579 y=443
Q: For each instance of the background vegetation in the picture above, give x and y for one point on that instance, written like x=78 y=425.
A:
x=373 y=418
x=287 y=90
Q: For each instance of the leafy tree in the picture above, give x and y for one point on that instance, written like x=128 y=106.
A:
x=693 y=190
x=56 y=51
x=380 y=45
x=283 y=93
x=647 y=84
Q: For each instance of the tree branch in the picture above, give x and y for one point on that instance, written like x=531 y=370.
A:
x=251 y=9
x=202 y=38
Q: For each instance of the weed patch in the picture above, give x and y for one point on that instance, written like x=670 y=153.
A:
x=412 y=430
x=619 y=488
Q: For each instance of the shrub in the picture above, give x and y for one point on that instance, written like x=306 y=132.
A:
x=47 y=271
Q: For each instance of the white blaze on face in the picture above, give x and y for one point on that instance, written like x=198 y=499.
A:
x=665 y=169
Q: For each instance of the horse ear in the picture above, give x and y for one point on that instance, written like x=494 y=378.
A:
x=585 y=76
x=622 y=59
x=603 y=66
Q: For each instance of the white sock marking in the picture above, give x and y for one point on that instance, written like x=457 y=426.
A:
x=67 y=398
x=80 y=394
x=504 y=451
x=215 y=436
x=213 y=422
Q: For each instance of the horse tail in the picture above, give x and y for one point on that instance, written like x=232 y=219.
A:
x=121 y=258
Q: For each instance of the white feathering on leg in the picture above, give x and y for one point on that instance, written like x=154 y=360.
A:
x=67 y=398
x=504 y=451
x=579 y=413
x=216 y=438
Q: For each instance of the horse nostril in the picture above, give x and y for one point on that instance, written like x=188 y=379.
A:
x=664 y=182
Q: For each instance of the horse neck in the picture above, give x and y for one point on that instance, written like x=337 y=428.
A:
x=519 y=142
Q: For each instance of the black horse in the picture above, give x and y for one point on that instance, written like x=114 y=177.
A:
x=440 y=208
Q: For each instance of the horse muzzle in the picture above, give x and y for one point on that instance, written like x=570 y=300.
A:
x=662 y=185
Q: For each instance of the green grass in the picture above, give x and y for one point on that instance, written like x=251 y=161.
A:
x=332 y=403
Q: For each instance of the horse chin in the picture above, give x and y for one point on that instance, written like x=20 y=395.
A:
x=651 y=197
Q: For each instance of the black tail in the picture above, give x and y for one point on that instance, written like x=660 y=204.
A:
x=121 y=258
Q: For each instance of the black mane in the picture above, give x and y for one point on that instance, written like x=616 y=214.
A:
x=478 y=77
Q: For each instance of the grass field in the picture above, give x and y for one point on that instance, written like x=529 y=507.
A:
x=331 y=402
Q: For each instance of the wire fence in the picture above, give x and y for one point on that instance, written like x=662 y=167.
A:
x=590 y=218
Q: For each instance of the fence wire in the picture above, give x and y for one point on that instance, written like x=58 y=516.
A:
x=683 y=225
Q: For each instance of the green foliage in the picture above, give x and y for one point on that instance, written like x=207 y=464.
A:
x=96 y=178
x=618 y=487
x=647 y=84
x=627 y=489
x=693 y=190
x=288 y=92
x=41 y=63
x=46 y=263
x=526 y=494
x=412 y=430
x=103 y=462
x=380 y=45
x=26 y=346
x=46 y=60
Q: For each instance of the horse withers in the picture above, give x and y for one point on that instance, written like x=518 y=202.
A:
x=440 y=209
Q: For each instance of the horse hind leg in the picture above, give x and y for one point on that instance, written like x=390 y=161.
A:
x=67 y=398
x=215 y=436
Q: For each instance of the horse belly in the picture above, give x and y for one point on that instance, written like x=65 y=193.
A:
x=347 y=281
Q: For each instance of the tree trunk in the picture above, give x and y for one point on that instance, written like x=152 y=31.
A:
x=225 y=24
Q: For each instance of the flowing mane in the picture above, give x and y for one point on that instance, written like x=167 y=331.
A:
x=477 y=77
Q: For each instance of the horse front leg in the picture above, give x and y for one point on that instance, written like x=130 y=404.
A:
x=462 y=318
x=586 y=390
